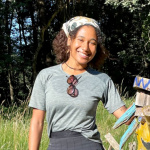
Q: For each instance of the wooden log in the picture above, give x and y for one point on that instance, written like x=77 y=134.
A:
x=142 y=98
x=141 y=83
x=112 y=141
x=146 y=112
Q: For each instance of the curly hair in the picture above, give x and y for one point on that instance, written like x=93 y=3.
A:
x=61 y=52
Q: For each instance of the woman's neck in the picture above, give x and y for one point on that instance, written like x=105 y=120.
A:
x=75 y=65
x=73 y=69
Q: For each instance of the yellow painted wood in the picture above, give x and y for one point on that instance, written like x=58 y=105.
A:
x=142 y=132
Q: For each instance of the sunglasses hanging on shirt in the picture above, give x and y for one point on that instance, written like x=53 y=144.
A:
x=72 y=90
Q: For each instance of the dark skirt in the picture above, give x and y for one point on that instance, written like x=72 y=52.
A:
x=68 y=140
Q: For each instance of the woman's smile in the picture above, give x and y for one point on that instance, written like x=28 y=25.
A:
x=83 y=54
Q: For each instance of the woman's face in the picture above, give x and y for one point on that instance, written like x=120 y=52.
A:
x=83 y=46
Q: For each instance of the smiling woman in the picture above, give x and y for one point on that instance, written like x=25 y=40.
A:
x=69 y=92
x=82 y=47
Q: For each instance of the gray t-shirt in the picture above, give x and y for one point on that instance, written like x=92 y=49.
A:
x=78 y=114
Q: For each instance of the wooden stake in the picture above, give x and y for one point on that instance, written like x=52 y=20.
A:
x=112 y=141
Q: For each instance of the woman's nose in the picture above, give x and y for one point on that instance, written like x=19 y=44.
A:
x=85 y=46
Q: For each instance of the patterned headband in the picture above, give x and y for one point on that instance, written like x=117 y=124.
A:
x=75 y=22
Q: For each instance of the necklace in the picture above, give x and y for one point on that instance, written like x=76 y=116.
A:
x=75 y=68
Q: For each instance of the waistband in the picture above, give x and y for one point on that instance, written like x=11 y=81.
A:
x=64 y=134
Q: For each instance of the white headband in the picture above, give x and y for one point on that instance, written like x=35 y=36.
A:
x=75 y=22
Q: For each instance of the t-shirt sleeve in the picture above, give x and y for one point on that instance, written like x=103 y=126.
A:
x=37 y=99
x=111 y=98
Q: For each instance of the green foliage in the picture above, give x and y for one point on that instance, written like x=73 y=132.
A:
x=132 y=5
x=140 y=52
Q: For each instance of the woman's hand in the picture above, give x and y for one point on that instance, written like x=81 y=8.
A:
x=36 y=128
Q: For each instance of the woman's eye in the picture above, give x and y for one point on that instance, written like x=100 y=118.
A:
x=93 y=43
x=80 y=40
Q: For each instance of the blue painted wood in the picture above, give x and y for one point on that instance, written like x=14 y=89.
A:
x=127 y=134
x=125 y=117
x=141 y=81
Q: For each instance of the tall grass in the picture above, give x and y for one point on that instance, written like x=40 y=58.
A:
x=14 y=128
x=15 y=122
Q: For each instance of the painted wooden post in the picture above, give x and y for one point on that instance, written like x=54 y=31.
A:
x=141 y=108
x=142 y=103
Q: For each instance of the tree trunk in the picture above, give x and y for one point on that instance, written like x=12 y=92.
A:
x=10 y=85
x=9 y=50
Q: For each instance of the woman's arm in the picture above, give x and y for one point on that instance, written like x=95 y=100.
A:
x=119 y=112
x=36 y=128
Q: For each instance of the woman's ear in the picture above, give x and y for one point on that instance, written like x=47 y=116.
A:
x=68 y=41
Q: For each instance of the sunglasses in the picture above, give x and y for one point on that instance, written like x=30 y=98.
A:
x=71 y=90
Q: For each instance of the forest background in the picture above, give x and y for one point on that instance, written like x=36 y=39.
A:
x=27 y=29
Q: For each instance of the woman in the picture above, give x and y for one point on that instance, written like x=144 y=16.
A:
x=69 y=93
